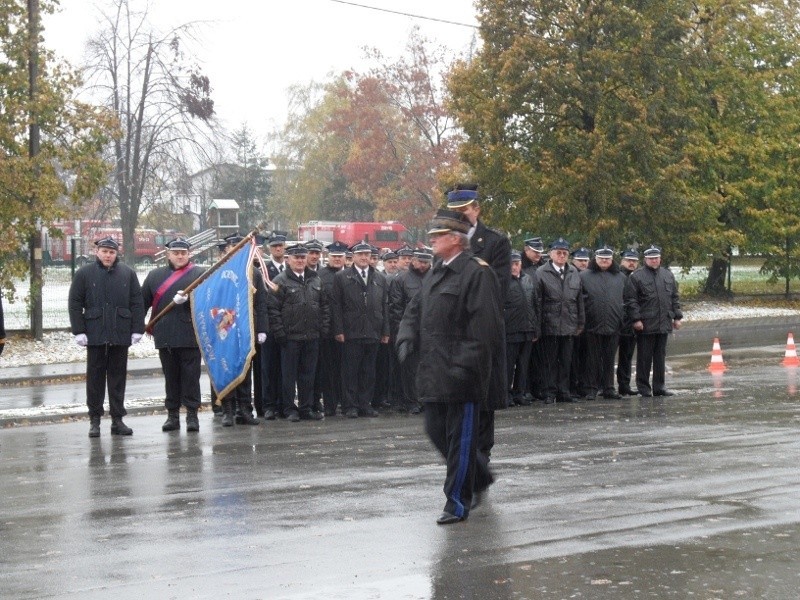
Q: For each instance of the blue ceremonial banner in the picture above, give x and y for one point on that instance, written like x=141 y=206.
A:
x=222 y=313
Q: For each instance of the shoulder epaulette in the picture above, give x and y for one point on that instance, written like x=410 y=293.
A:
x=480 y=261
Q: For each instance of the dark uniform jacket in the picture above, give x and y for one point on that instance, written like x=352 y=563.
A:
x=402 y=289
x=298 y=310
x=106 y=304
x=651 y=296
x=559 y=302
x=326 y=275
x=519 y=311
x=603 y=299
x=530 y=268
x=627 y=325
x=174 y=329
x=454 y=322
x=494 y=248
x=359 y=311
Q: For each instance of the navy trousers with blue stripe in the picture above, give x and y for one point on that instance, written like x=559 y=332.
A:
x=453 y=429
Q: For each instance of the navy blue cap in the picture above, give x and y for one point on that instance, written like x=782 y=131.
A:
x=277 y=239
x=260 y=239
x=374 y=250
x=337 y=248
x=604 y=252
x=652 y=252
x=389 y=256
x=515 y=256
x=581 y=253
x=560 y=244
x=297 y=250
x=233 y=239
x=462 y=195
x=423 y=254
x=361 y=247
x=178 y=243
x=405 y=251
x=535 y=243
x=314 y=245
x=630 y=254
x=107 y=242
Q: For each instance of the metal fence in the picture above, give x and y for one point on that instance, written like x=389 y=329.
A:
x=746 y=280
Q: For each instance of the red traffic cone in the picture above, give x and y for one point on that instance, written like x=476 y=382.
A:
x=717 y=365
x=790 y=357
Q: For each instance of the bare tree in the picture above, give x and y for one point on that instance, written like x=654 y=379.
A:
x=163 y=103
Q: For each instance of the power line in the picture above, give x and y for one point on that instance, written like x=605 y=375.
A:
x=405 y=14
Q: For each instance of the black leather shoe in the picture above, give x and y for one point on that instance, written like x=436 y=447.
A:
x=246 y=418
x=416 y=410
x=94 y=427
x=173 y=422
x=663 y=393
x=369 y=412
x=448 y=519
x=477 y=500
x=645 y=394
x=293 y=417
x=192 y=422
x=312 y=416
x=352 y=413
x=119 y=428
x=627 y=392
x=549 y=400
x=269 y=415
x=612 y=396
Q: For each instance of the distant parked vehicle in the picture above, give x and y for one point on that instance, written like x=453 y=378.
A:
x=387 y=234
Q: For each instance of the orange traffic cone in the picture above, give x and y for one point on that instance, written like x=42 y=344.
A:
x=790 y=357
x=717 y=364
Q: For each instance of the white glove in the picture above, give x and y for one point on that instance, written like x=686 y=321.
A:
x=81 y=339
x=180 y=297
x=136 y=338
x=262 y=337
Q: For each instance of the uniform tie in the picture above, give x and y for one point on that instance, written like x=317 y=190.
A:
x=364 y=275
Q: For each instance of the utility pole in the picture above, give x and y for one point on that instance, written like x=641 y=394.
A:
x=35 y=244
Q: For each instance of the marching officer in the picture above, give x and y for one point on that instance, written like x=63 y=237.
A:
x=174 y=334
x=360 y=324
x=299 y=317
x=454 y=322
x=494 y=248
x=106 y=316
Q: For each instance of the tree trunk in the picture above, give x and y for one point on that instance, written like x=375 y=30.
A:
x=715 y=284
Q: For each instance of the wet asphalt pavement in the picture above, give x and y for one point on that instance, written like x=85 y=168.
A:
x=694 y=496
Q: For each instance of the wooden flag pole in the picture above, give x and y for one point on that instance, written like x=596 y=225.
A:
x=201 y=279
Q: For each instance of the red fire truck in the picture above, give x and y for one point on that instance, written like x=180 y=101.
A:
x=388 y=234
x=58 y=250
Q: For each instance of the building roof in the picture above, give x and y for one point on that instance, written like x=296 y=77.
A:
x=224 y=204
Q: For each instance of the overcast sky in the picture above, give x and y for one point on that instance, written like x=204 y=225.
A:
x=254 y=50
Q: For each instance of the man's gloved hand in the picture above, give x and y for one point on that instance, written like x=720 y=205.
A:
x=262 y=337
x=136 y=338
x=180 y=297
x=81 y=339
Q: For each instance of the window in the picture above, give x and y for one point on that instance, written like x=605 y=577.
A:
x=387 y=236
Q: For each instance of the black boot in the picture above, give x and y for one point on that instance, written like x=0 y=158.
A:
x=94 y=426
x=192 y=422
x=245 y=414
x=119 y=428
x=227 y=412
x=173 y=422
